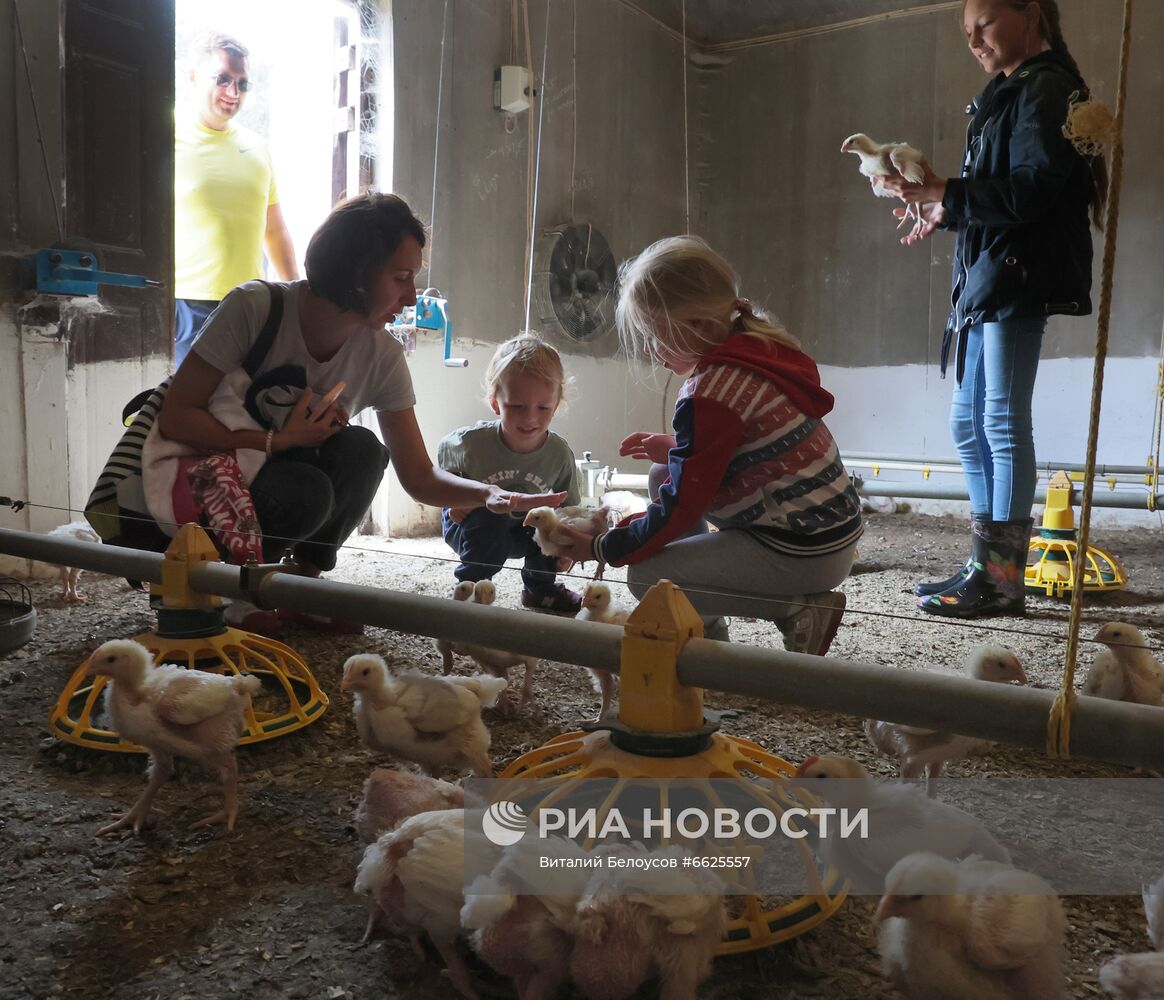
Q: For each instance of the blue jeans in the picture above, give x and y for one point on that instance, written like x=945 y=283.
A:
x=311 y=499
x=189 y=318
x=484 y=541
x=990 y=417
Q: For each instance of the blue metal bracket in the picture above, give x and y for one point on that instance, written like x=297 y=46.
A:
x=74 y=272
x=432 y=313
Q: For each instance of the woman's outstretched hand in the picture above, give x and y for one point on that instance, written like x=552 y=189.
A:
x=642 y=444
x=505 y=502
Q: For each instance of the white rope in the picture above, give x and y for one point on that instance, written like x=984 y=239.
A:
x=574 y=89
x=541 y=98
x=437 y=147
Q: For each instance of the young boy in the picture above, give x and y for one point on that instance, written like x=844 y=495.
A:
x=524 y=384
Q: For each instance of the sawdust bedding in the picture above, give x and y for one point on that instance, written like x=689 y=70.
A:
x=268 y=911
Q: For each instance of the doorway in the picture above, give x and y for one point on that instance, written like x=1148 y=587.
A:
x=313 y=67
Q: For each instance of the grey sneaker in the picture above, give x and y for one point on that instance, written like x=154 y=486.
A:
x=811 y=630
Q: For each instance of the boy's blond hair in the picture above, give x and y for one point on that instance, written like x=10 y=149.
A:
x=525 y=354
x=681 y=281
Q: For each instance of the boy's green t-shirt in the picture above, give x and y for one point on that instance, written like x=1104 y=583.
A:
x=477 y=452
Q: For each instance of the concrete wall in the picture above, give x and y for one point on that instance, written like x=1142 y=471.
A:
x=822 y=253
x=624 y=96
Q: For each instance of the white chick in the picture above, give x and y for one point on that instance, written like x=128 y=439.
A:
x=621 y=940
x=623 y=503
x=432 y=721
x=890 y=159
x=901 y=820
x=1126 y=670
x=391 y=796
x=70 y=575
x=415 y=875
x=1134 y=977
x=926 y=751
x=1154 y=912
x=520 y=929
x=497 y=662
x=174 y=712
x=1141 y=977
x=970 y=930
x=599 y=606
x=546 y=522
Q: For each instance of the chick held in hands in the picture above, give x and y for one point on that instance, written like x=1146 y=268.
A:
x=568 y=531
x=882 y=161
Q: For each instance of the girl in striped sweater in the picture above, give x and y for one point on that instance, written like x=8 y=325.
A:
x=750 y=454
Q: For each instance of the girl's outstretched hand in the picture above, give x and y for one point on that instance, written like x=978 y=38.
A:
x=643 y=444
x=505 y=502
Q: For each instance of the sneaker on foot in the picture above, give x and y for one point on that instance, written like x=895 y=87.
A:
x=558 y=600
x=812 y=629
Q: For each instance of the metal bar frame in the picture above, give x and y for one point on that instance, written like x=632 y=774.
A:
x=1115 y=732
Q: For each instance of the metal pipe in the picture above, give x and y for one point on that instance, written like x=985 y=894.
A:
x=872 y=457
x=1125 y=499
x=133 y=564
x=502 y=628
x=1110 y=731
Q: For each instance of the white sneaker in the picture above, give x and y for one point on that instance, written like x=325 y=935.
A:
x=811 y=630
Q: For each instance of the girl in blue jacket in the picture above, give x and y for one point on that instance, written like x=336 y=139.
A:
x=1023 y=253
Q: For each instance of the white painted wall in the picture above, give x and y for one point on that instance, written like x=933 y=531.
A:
x=903 y=409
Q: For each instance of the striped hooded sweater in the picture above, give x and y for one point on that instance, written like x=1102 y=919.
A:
x=752 y=454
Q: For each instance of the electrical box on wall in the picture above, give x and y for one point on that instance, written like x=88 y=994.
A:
x=511 y=89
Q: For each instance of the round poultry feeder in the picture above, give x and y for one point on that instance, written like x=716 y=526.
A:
x=661 y=741
x=568 y=761
x=197 y=638
x=17 y=615
x=1054 y=550
x=225 y=651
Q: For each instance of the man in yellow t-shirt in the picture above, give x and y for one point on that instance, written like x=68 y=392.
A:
x=226 y=205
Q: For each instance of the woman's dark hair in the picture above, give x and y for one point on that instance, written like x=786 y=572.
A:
x=354 y=241
x=1051 y=30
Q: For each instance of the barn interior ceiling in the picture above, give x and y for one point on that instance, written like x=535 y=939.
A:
x=722 y=22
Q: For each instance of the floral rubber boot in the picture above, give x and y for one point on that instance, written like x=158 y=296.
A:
x=996 y=583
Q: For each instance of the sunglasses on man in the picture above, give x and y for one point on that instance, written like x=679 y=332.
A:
x=224 y=80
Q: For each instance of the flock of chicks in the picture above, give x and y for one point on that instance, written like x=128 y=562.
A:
x=955 y=919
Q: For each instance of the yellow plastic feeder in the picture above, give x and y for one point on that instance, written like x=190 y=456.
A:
x=1051 y=560
x=660 y=737
x=192 y=634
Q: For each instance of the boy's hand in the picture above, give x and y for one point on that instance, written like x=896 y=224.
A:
x=505 y=502
x=458 y=514
x=643 y=444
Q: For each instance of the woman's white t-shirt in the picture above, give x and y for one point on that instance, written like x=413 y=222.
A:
x=371 y=361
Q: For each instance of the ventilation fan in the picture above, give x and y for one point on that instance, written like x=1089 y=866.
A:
x=574 y=281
